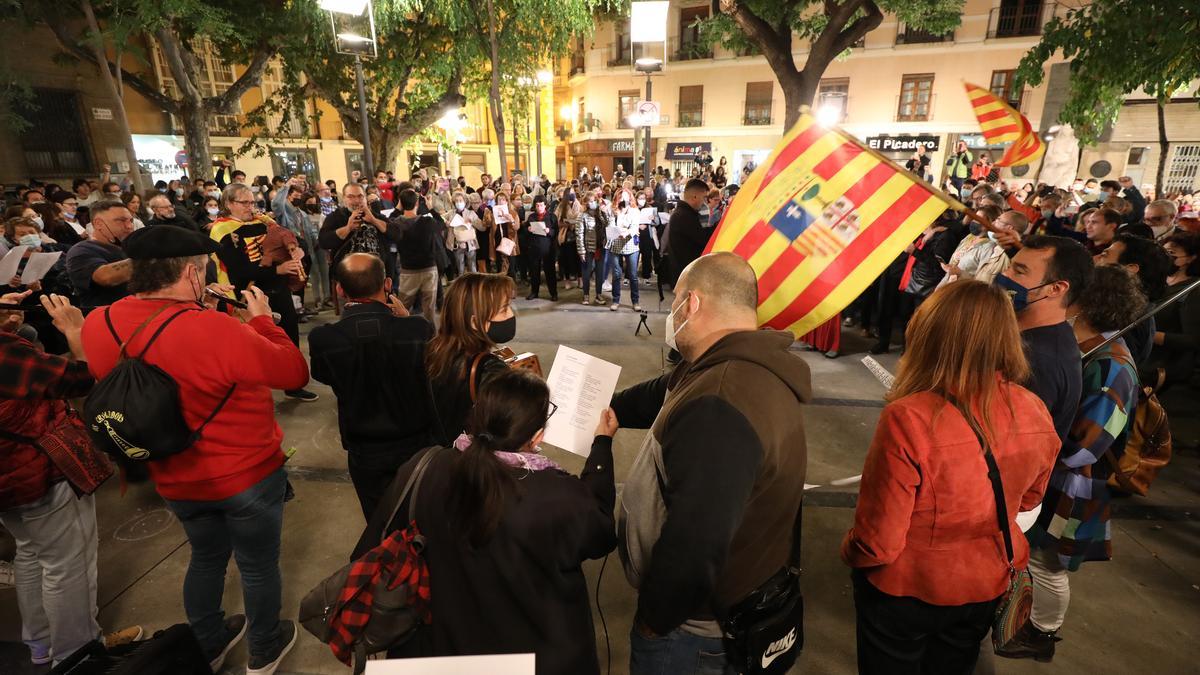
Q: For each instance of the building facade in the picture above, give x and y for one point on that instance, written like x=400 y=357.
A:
x=898 y=88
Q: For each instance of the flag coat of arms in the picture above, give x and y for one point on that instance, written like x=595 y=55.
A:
x=820 y=220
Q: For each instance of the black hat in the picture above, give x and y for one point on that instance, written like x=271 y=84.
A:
x=167 y=241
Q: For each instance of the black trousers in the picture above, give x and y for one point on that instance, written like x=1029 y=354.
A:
x=905 y=636
x=371 y=476
x=281 y=303
x=539 y=257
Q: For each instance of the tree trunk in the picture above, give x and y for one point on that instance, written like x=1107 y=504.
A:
x=196 y=142
x=494 y=95
x=1164 y=147
x=388 y=149
x=114 y=90
x=797 y=92
x=516 y=148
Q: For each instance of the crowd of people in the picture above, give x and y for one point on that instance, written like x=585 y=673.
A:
x=992 y=398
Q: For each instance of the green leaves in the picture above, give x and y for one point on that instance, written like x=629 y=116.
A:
x=1115 y=48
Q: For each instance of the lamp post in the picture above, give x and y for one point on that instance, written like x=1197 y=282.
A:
x=647 y=65
x=544 y=77
x=350 y=38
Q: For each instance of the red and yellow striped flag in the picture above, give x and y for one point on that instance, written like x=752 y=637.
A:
x=820 y=220
x=1001 y=123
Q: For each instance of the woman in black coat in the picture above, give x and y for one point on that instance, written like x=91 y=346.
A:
x=542 y=249
x=506 y=532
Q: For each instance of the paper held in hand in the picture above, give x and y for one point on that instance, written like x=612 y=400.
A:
x=38 y=265
x=538 y=227
x=581 y=386
x=10 y=263
x=492 y=664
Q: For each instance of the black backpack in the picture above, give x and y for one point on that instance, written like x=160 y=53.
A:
x=133 y=413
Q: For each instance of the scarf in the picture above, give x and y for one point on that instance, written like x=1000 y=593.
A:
x=530 y=461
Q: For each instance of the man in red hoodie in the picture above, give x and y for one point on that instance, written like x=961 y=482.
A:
x=227 y=490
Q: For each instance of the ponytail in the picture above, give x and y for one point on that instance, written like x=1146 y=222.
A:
x=510 y=409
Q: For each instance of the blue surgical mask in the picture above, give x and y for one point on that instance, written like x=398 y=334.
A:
x=30 y=240
x=1047 y=213
x=1018 y=293
x=965 y=192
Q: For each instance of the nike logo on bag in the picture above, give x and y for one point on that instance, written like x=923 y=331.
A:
x=778 y=648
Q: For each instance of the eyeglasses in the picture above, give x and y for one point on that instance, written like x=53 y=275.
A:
x=553 y=409
x=243 y=202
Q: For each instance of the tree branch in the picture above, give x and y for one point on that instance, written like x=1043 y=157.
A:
x=225 y=102
x=775 y=46
x=150 y=92
x=837 y=36
x=415 y=122
x=173 y=55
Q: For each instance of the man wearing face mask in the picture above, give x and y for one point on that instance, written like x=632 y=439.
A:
x=374 y=359
x=226 y=489
x=1043 y=279
x=709 y=507
x=98 y=267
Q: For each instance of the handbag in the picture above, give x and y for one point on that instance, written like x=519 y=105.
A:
x=69 y=447
x=394 y=613
x=763 y=633
x=523 y=361
x=1015 y=605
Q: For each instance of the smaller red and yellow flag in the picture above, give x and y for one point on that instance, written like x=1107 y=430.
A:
x=1001 y=123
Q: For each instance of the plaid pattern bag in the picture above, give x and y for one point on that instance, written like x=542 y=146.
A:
x=71 y=451
x=381 y=600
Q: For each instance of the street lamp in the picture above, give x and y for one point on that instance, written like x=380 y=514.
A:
x=351 y=30
x=647 y=65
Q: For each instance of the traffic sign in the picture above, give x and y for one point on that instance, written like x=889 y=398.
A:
x=647 y=113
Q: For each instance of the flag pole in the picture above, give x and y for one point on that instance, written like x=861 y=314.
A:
x=1151 y=312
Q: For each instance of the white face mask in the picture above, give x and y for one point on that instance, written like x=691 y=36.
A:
x=592 y=205
x=641 y=201
x=40 y=223
x=460 y=205
x=215 y=194
x=671 y=330
x=213 y=212
x=30 y=240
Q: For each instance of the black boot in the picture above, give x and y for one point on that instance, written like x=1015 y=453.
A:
x=1030 y=643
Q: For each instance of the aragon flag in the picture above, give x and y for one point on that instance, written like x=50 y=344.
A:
x=1000 y=123
x=820 y=220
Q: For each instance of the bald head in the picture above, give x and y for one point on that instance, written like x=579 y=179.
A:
x=361 y=276
x=724 y=278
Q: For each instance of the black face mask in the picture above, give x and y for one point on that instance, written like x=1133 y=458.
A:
x=502 y=332
x=976 y=228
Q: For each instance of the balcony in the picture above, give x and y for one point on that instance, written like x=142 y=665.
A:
x=688 y=50
x=577 y=63
x=619 y=54
x=690 y=115
x=1022 y=21
x=757 y=114
x=915 y=36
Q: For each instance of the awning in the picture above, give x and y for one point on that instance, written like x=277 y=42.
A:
x=687 y=151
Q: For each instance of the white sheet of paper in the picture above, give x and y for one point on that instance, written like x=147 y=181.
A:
x=538 y=227
x=885 y=378
x=38 y=265
x=664 y=218
x=500 y=211
x=498 y=664
x=506 y=246
x=1026 y=519
x=612 y=232
x=387 y=213
x=648 y=216
x=457 y=221
x=581 y=386
x=10 y=263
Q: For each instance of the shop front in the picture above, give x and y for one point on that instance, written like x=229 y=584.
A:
x=682 y=157
x=609 y=154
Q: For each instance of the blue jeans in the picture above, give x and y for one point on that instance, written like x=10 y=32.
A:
x=677 y=653
x=618 y=263
x=593 y=268
x=248 y=525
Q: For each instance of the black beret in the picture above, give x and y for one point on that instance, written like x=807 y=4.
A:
x=167 y=241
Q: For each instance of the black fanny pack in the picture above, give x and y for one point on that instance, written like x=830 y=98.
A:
x=764 y=632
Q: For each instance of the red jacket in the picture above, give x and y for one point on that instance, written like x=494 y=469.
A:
x=33 y=386
x=925 y=525
x=206 y=352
